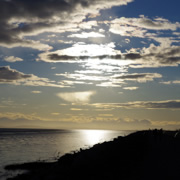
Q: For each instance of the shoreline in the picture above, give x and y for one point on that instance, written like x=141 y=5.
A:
x=139 y=155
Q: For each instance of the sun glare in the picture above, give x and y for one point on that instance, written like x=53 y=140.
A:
x=94 y=136
x=89 y=50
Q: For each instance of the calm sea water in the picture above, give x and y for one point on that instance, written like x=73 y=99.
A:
x=27 y=145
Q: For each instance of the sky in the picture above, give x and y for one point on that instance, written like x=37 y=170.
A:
x=90 y=64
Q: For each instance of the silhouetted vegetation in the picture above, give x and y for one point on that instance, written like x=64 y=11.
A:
x=147 y=155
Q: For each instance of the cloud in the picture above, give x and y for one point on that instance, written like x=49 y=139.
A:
x=12 y=76
x=81 y=52
x=139 y=77
x=55 y=57
x=9 y=75
x=106 y=115
x=131 y=88
x=83 y=77
x=166 y=82
x=171 y=82
x=161 y=55
x=18 y=116
x=132 y=56
x=71 y=83
x=76 y=109
x=20 y=19
x=87 y=35
x=26 y=43
x=14 y=120
x=107 y=57
x=121 y=123
x=8 y=103
x=12 y=59
x=110 y=84
x=176 y=82
x=36 y=92
x=168 y=104
x=87 y=24
x=138 y=27
x=127 y=40
x=109 y=80
x=77 y=97
x=55 y=114
x=154 y=56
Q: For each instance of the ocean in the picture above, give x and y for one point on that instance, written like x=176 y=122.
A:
x=27 y=145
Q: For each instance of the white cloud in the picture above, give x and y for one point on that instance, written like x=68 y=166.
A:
x=81 y=52
x=84 y=77
x=131 y=88
x=176 y=82
x=124 y=30
x=36 y=92
x=171 y=82
x=12 y=59
x=76 y=109
x=110 y=84
x=127 y=40
x=138 y=27
x=87 y=24
x=77 y=97
x=87 y=35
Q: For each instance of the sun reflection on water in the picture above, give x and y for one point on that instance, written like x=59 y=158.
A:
x=95 y=136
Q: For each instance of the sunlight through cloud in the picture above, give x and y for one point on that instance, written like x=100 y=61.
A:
x=77 y=97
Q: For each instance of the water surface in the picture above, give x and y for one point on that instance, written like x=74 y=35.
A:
x=27 y=145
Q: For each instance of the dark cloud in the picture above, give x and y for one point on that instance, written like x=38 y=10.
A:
x=169 y=104
x=132 y=56
x=57 y=57
x=155 y=56
x=140 y=77
x=20 y=18
x=172 y=104
x=12 y=76
x=163 y=56
x=132 y=76
x=8 y=75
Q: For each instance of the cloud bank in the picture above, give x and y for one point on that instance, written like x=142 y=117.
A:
x=168 y=104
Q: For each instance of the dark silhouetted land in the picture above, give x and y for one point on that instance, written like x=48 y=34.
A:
x=143 y=155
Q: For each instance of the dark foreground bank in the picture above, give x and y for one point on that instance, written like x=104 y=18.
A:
x=153 y=154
